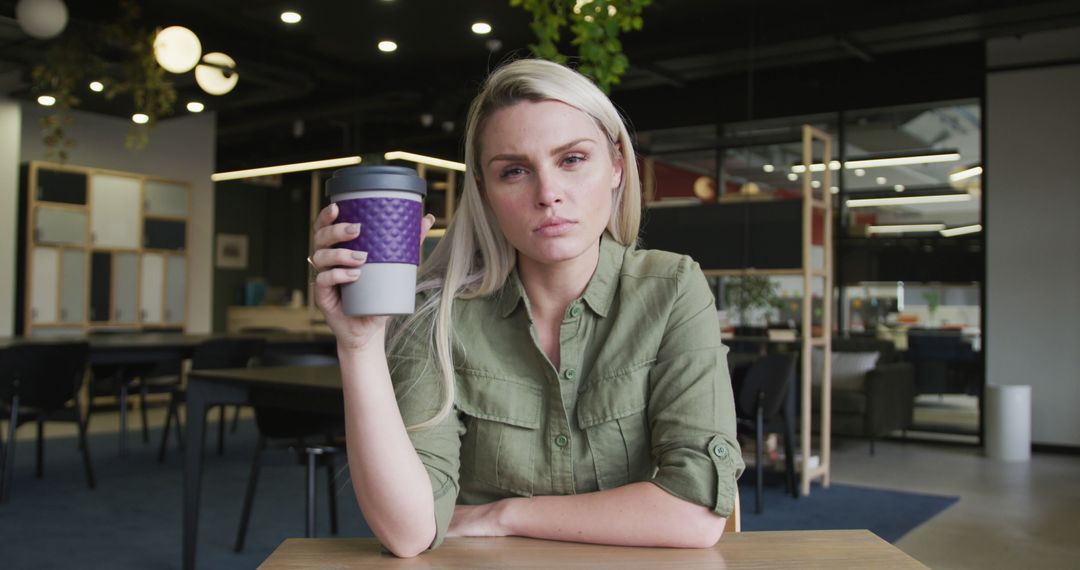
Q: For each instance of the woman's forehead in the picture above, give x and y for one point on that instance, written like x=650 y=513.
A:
x=527 y=124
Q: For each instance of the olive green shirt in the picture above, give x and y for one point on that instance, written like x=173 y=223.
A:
x=643 y=392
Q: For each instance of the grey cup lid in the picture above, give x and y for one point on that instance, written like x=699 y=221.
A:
x=361 y=178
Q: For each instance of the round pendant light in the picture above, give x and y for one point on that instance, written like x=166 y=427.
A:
x=217 y=73
x=177 y=49
x=42 y=19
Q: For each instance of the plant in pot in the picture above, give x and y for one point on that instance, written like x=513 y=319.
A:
x=746 y=295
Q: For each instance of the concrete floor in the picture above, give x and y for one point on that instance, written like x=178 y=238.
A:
x=1010 y=515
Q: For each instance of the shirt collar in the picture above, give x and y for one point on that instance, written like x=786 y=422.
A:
x=598 y=295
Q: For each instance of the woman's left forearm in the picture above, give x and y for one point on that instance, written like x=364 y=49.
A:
x=639 y=514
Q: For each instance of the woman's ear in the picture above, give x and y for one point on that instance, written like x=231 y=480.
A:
x=617 y=165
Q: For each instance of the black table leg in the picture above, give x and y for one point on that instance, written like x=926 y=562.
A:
x=200 y=395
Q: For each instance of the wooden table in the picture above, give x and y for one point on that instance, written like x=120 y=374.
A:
x=831 y=549
x=313 y=389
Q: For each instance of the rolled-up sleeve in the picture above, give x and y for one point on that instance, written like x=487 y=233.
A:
x=691 y=407
x=418 y=387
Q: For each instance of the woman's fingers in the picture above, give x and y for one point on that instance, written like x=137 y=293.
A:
x=332 y=235
x=425 y=226
x=324 y=259
x=326 y=216
x=336 y=276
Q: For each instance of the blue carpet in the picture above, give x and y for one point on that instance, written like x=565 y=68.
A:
x=132 y=519
x=888 y=514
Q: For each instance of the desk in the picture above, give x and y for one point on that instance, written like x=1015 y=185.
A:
x=829 y=549
x=314 y=389
x=131 y=349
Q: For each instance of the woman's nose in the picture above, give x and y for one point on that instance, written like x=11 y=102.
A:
x=548 y=190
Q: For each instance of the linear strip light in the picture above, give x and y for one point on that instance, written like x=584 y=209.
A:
x=285 y=168
x=962 y=230
x=966 y=173
x=907 y=200
x=421 y=159
x=904 y=228
x=878 y=162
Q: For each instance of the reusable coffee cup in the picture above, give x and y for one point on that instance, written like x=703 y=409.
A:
x=387 y=202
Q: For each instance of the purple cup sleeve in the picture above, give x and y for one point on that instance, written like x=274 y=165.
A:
x=389 y=228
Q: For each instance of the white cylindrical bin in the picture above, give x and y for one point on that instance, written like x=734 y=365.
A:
x=1008 y=422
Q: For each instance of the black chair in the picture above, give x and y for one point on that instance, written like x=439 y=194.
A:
x=291 y=429
x=210 y=354
x=764 y=406
x=122 y=380
x=40 y=383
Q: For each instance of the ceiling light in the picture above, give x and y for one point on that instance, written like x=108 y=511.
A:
x=768 y=168
x=97 y=86
x=966 y=173
x=815 y=184
x=881 y=180
x=816 y=167
x=962 y=230
x=177 y=49
x=42 y=19
x=291 y=17
x=387 y=46
x=898 y=187
x=905 y=228
x=217 y=73
x=908 y=200
x=835 y=189
x=860 y=172
x=902 y=160
x=481 y=28
x=195 y=107
x=140 y=118
x=285 y=168
x=792 y=176
x=46 y=100
x=421 y=159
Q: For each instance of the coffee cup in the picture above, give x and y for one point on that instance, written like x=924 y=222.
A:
x=387 y=202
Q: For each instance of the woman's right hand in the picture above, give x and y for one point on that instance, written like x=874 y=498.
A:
x=339 y=266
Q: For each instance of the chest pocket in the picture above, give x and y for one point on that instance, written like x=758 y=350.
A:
x=500 y=443
x=612 y=413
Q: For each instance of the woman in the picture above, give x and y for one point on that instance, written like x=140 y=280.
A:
x=555 y=382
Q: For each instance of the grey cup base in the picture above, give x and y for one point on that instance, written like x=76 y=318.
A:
x=382 y=289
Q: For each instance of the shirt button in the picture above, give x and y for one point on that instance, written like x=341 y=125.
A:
x=561 y=440
x=575 y=311
x=569 y=373
x=720 y=451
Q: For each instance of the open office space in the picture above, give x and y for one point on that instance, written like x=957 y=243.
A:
x=880 y=199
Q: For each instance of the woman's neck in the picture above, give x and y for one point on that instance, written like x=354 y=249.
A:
x=552 y=287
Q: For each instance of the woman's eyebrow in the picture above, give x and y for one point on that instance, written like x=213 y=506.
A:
x=554 y=151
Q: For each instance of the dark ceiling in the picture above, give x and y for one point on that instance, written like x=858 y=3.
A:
x=696 y=62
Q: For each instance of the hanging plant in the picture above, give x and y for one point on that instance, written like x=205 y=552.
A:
x=595 y=26
x=73 y=60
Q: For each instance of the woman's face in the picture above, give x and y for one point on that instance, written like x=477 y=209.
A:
x=549 y=176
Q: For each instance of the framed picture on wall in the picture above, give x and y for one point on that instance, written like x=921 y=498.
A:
x=232 y=251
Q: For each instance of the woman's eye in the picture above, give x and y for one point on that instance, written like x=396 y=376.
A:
x=512 y=172
x=574 y=159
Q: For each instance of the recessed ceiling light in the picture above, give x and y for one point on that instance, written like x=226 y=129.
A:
x=481 y=28
x=768 y=168
x=815 y=184
x=860 y=172
x=290 y=17
x=46 y=100
x=881 y=180
x=140 y=118
x=792 y=176
x=97 y=86
x=195 y=107
x=387 y=46
x=835 y=189
x=898 y=187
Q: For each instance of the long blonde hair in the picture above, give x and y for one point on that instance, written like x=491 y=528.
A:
x=474 y=259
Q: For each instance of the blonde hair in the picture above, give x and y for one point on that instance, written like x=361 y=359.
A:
x=474 y=259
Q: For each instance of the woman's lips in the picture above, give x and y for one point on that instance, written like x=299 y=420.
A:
x=555 y=228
